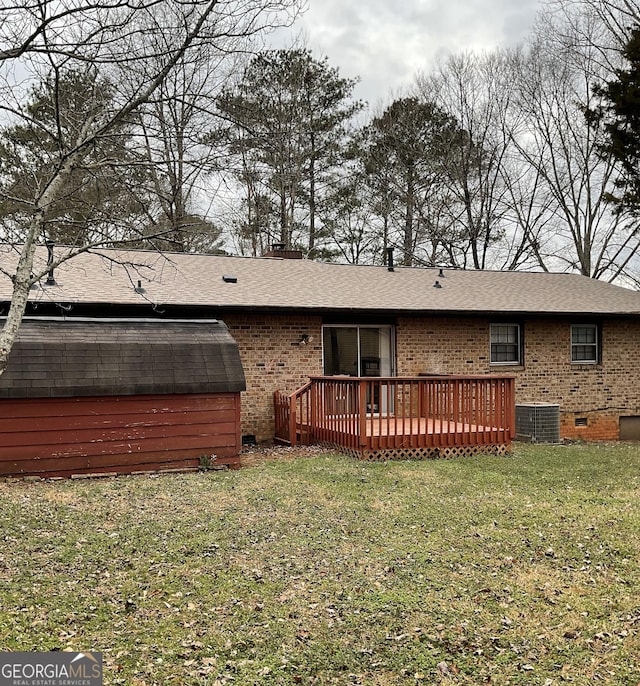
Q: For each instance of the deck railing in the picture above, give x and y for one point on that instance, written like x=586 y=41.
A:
x=387 y=413
x=292 y=413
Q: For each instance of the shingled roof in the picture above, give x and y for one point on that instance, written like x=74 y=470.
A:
x=80 y=357
x=240 y=283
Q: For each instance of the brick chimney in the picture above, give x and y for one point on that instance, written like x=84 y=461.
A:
x=280 y=250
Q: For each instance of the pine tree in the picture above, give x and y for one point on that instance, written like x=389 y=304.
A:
x=99 y=198
x=289 y=117
x=619 y=115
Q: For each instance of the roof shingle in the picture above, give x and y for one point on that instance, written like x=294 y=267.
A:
x=80 y=357
x=111 y=276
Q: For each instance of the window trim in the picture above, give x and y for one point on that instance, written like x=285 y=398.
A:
x=595 y=345
x=519 y=362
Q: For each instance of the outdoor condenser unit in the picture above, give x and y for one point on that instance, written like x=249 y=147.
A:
x=538 y=422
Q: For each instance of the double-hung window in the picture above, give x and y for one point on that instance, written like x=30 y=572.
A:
x=584 y=344
x=506 y=344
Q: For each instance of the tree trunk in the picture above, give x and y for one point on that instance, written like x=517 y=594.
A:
x=21 y=286
x=23 y=277
x=407 y=258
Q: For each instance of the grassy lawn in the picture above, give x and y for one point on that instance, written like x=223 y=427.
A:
x=323 y=570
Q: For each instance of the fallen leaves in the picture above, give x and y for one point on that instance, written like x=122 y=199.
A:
x=315 y=569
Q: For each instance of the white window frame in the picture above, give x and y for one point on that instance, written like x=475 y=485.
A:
x=513 y=363
x=581 y=344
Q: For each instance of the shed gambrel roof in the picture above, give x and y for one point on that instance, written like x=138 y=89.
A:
x=57 y=358
x=273 y=284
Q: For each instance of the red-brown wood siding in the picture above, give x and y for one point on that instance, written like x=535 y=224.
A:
x=123 y=434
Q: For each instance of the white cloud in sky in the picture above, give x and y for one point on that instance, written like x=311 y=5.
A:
x=386 y=43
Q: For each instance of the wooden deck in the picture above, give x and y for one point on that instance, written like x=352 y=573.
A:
x=400 y=417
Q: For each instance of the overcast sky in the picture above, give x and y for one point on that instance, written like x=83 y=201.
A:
x=386 y=42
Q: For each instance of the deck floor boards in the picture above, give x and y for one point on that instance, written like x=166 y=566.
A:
x=389 y=426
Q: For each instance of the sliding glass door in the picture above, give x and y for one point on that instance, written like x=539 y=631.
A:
x=360 y=351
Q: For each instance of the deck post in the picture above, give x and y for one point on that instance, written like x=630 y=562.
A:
x=511 y=395
x=362 y=388
x=293 y=401
x=314 y=410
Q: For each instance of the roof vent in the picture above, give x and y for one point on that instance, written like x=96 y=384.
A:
x=227 y=278
x=441 y=273
x=437 y=284
x=390 y=259
x=51 y=281
x=139 y=288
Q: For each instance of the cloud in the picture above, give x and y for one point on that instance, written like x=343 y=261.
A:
x=386 y=44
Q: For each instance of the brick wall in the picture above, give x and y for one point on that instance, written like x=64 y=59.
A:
x=591 y=397
x=273 y=359
x=593 y=394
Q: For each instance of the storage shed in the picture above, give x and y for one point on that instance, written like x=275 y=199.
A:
x=84 y=396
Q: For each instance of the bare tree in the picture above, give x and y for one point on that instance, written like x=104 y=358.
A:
x=475 y=89
x=554 y=84
x=602 y=27
x=180 y=157
x=136 y=45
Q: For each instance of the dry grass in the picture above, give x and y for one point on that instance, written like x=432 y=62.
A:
x=323 y=570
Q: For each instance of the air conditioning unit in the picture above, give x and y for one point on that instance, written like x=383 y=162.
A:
x=538 y=422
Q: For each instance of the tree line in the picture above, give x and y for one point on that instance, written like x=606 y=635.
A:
x=514 y=159
x=504 y=160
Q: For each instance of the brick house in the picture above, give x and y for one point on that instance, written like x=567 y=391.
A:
x=569 y=340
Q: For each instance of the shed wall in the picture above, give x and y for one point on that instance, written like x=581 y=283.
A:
x=121 y=434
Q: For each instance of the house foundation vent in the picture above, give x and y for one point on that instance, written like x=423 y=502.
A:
x=538 y=422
